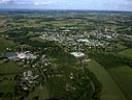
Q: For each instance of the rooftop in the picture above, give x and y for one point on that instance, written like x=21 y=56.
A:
x=78 y=54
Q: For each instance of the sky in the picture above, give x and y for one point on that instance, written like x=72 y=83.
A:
x=118 y=5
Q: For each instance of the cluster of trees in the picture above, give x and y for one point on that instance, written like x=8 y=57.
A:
x=111 y=60
x=84 y=86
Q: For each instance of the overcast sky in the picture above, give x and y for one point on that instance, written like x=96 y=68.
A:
x=122 y=5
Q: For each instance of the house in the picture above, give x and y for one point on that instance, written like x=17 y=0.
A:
x=78 y=54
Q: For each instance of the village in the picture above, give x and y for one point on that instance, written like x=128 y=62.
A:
x=41 y=67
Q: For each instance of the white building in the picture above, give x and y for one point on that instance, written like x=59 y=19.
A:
x=78 y=54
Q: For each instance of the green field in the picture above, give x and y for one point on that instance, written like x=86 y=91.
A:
x=123 y=77
x=9 y=67
x=40 y=91
x=111 y=90
x=7 y=86
x=126 y=53
x=5 y=44
x=8 y=71
x=119 y=71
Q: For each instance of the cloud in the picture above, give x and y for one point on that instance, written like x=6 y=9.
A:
x=10 y=2
x=69 y=4
x=43 y=2
x=29 y=2
x=4 y=1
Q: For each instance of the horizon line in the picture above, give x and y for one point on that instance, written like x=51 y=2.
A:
x=30 y=9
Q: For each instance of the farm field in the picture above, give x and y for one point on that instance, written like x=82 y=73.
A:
x=122 y=76
x=4 y=43
x=126 y=53
x=110 y=90
x=9 y=67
